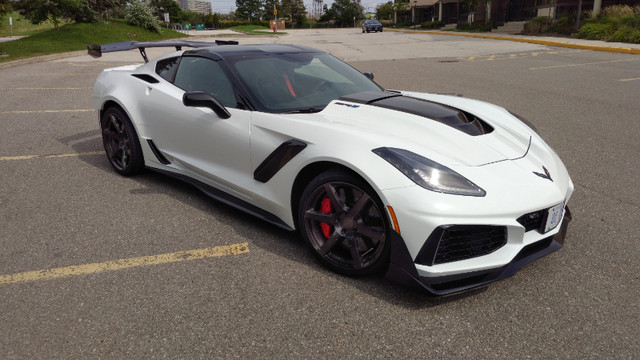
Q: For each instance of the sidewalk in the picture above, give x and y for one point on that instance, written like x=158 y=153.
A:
x=595 y=45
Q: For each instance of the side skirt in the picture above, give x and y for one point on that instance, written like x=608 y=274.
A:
x=228 y=199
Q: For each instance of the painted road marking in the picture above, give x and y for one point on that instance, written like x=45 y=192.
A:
x=632 y=79
x=515 y=56
x=35 y=88
x=95 y=268
x=28 y=157
x=584 y=64
x=52 y=74
x=43 y=111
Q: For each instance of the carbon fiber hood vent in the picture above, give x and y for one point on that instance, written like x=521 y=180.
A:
x=455 y=118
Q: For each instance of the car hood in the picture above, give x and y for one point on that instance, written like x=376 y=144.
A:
x=465 y=132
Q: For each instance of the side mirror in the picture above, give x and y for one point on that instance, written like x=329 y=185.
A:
x=203 y=99
x=369 y=75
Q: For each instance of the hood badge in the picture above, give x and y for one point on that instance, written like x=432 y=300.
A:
x=546 y=174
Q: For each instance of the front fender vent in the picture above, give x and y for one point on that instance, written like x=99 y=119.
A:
x=146 y=77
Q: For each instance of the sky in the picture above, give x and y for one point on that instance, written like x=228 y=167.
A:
x=227 y=6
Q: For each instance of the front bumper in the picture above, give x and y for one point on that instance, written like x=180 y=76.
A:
x=402 y=268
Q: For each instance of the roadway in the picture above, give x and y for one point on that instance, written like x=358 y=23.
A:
x=96 y=265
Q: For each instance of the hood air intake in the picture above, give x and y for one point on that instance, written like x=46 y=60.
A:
x=446 y=115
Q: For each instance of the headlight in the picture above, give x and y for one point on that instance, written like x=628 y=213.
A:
x=429 y=174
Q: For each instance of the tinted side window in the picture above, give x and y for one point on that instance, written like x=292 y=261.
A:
x=201 y=74
x=167 y=67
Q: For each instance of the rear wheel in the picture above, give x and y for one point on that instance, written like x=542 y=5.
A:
x=344 y=223
x=121 y=142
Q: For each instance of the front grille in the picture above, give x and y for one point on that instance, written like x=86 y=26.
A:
x=462 y=242
x=532 y=220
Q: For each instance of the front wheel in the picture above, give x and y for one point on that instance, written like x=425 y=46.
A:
x=345 y=224
x=121 y=142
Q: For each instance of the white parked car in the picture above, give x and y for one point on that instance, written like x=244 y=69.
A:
x=442 y=192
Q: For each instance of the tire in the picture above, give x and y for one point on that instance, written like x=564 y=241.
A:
x=344 y=222
x=120 y=142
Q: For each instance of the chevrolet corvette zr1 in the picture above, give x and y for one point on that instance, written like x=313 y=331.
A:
x=443 y=192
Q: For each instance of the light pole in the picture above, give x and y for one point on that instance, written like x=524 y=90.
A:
x=413 y=13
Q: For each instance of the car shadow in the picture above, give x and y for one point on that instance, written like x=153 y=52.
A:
x=270 y=238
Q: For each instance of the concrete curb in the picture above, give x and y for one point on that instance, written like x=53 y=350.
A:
x=623 y=50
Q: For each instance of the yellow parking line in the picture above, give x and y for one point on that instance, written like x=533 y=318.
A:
x=87 y=269
x=632 y=79
x=44 y=111
x=28 y=157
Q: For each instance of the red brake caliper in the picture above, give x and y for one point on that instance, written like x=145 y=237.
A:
x=325 y=208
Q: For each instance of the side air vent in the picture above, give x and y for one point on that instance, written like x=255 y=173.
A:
x=278 y=159
x=145 y=77
x=163 y=160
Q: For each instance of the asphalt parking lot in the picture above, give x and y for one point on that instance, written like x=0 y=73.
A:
x=96 y=265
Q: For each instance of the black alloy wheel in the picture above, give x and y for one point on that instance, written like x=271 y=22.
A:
x=121 y=142
x=345 y=224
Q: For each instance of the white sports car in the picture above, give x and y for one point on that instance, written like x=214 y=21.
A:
x=442 y=192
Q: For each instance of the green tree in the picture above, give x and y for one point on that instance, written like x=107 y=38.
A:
x=213 y=21
x=385 y=11
x=344 y=12
x=160 y=7
x=139 y=13
x=5 y=6
x=192 y=17
x=267 y=13
x=39 y=11
x=294 y=11
x=249 y=9
x=327 y=14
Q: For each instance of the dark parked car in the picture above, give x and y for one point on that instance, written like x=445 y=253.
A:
x=371 y=25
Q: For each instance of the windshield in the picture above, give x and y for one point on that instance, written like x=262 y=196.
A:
x=300 y=82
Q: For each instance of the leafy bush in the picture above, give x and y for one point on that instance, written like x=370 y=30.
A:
x=537 y=25
x=615 y=23
x=564 y=25
x=626 y=34
x=432 y=24
x=138 y=13
x=596 y=31
x=474 y=27
x=620 y=10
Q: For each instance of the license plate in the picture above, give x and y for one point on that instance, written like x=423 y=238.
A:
x=554 y=216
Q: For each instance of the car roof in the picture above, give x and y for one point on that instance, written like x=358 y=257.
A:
x=220 y=52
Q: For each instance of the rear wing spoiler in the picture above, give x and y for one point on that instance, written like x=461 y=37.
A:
x=97 y=50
